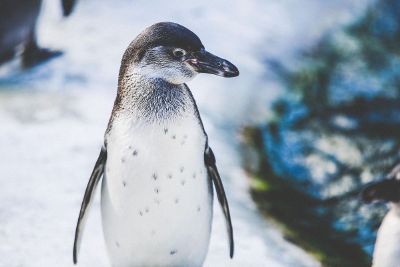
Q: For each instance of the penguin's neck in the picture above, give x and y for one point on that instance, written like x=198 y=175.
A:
x=151 y=99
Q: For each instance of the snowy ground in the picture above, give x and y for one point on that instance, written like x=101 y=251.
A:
x=54 y=116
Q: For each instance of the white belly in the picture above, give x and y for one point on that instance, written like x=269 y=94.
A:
x=387 y=246
x=156 y=195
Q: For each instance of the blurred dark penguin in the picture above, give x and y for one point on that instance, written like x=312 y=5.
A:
x=18 y=20
x=387 y=245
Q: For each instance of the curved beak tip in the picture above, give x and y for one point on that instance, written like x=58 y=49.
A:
x=230 y=72
x=205 y=62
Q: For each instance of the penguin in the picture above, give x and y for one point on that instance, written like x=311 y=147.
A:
x=387 y=245
x=157 y=166
x=18 y=20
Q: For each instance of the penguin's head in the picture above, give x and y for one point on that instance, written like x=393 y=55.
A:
x=385 y=190
x=173 y=53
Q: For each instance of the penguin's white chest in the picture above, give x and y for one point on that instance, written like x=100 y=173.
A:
x=387 y=246
x=156 y=195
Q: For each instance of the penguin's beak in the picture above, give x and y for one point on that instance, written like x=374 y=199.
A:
x=205 y=62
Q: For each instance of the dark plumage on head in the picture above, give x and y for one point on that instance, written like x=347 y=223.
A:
x=166 y=34
x=173 y=53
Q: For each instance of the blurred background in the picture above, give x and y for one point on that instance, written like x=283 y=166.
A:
x=312 y=118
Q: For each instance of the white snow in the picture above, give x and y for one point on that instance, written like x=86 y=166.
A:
x=53 y=119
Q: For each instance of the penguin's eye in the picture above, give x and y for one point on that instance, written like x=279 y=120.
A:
x=179 y=52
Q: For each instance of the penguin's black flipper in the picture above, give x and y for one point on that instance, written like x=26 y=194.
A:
x=33 y=54
x=209 y=160
x=68 y=6
x=33 y=57
x=97 y=173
